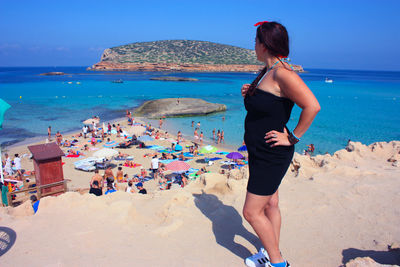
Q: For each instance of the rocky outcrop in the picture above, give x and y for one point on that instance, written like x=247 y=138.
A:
x=174 y=79
x=179 y=55
x=52 y=73
x=174 y=107
x=112 y=66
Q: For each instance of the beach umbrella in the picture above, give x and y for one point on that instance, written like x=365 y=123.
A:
x=136 y=130
x=242 y=148
x=90 y=121
x=178 y=148
x=111 y=144
x=177 y=166
x=234 y=155
x=208 y=149
x=145 y=138
x=105 y=152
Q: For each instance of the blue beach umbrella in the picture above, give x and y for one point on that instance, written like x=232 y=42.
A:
x=111 y=144
x=242 y=148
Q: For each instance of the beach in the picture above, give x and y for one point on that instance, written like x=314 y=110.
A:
x=335 y=208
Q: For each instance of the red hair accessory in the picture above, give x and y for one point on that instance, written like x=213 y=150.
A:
x=260 y=23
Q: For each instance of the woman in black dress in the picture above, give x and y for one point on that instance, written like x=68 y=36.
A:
x=269 y=100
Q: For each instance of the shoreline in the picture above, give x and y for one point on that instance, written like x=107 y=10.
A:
x=172 y=131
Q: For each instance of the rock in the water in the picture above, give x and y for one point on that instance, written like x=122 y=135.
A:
x=52 y=73
x=173 y=107
x=174 y=79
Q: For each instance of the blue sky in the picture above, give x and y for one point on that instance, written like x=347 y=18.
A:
x=324 y=34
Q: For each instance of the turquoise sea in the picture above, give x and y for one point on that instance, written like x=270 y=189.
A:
x=359 y=105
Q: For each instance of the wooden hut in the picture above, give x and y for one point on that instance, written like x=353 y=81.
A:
x=48 y=168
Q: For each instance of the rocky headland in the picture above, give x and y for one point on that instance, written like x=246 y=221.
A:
x=179 y=55
x=175 y=107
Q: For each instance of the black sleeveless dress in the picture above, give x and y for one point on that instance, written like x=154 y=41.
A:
x=267 y=165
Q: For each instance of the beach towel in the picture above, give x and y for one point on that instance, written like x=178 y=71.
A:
x=227 y=162
x=212 y=159
x=72 y=156
x=155 y=147
x=166 y=161
x=222 y=153
x=165 y=151
x=192 y=170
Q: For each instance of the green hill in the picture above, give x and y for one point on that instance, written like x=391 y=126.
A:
x=181 y=52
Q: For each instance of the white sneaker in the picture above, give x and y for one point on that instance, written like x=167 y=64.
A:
x=268 y=264
x=257 y=260
x=264 y=251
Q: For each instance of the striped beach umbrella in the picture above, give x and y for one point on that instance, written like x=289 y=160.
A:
x=105 y=152
x=177 y=166
x=111 y=144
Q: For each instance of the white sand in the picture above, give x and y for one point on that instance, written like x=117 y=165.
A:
x=334 y=208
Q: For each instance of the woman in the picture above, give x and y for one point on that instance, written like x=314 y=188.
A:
x=269 y=100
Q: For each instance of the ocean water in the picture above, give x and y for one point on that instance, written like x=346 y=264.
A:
x=359 y=105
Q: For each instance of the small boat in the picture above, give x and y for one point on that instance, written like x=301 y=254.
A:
x=328 y=80
x=69 y=82
x=118 y=81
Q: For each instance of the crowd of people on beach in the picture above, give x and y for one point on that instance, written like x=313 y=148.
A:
x=108 y=182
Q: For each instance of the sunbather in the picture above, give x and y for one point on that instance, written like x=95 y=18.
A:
x=122 y=155
x=125 y=144
x=143 y=172
x=67 y=143
x=120 y=175
x=182 y=157
x=72 y=152
x=201 y=171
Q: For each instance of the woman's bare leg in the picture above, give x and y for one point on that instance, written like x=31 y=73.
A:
x=254 y=213
x=273 y=213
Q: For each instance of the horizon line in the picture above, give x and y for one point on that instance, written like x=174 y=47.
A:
x=86 y=66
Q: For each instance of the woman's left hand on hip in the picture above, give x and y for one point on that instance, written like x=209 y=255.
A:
x=279 y=139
